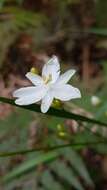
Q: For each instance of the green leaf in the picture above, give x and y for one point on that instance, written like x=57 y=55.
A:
x=54 y=112
x=30 y=164
x=78 y=164
x=97 y=31
x=67 y=174
x=75 y=144
x=2 y=3
x=101 y=13
x=49 y=182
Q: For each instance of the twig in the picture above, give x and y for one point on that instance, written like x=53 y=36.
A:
x=45 y=149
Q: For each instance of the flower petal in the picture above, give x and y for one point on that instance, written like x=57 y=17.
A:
x=64 y=78
x=66 y=92
x=34 y=78
x=52 y=68
x=30 y=95
x=46 y=102
x=26 y=91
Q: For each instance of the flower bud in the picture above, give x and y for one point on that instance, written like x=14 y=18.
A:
x=61 y=131
x=56 y=103
x=95 y=101
x=34 y=70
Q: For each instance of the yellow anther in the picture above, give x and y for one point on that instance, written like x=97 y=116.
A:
x=34 y=70
x=47 y=79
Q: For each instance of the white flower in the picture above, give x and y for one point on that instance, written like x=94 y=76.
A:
x=51 y=85
x=95 y=101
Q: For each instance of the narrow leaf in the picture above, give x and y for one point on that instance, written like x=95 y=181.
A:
x=97 y=31
x=54 y=112
x=78 y=164
x=49 y=182
x=66 y=174
x=30 y=164
x=80 y=144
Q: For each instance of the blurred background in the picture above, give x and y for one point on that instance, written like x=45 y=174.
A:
x=31 y=31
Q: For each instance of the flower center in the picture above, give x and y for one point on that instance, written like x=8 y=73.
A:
x=47 y=79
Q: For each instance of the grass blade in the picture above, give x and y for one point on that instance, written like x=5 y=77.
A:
x=54 y=112
x=30 y=164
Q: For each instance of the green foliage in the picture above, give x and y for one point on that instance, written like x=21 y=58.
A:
x=101 y=13
x=58 y=166
x=62 y=164
x=22 y=18
x=49 y=182
x=54 y=112
x=27 y=168
x=78 y=164
x=2 y=3
x=66 y=174
x=32 y=163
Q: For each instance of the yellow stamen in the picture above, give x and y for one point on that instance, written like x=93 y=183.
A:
x=47 y=79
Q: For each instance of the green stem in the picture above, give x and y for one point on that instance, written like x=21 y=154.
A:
x=54 y=112
x=5 y=154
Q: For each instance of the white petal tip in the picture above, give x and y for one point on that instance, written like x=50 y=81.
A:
x=17 y=102
x=78 y=94
x=43 y=110
x=14 y=94
x=21 y=102
x=73 y=71
x=54 y=57
x=27 y=74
